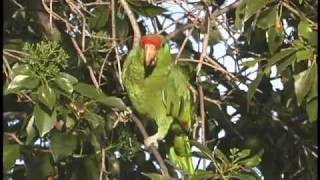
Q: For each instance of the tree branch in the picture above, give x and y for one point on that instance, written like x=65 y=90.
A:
x=133 y=21
x=153 y=149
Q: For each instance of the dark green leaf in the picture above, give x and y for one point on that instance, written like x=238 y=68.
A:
x=202 y=175
x=62 y=145
x=20 y=82
x=253 y=86
x=253 y=6
x=39 y=166
x=86 y=169
x=94 y=119
x=11 y=153
x=146 y=9
x=251 y=162
x=302 y=83
x=91 y=92
x=111 y=101
x=47 y=96
x=240 y=15
x=285 y=63
x=100 y=19
x=275 y=39
x=87 y=90
x=219 y=154
x=268 y=18
x=243 y=176
x=280 y=55
x=43 y=120
x=154 y=176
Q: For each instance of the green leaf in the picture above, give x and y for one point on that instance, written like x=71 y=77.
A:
x=253 y=86
x=20 y=82
x=214 y=37
x=70 y=78
x=268 y=18
x=39 y=166
x=43 y=120
x=91 y=92
x=31 y=131
x=304 y=54
x=304 y=29
x=146 y=9
x=11 y=153
x=281 y=55
x=155 y=176
x=21 y=69
x=251 y=162
x=62 y=145
x=47 y=96
x=240 y=14
x=100 y=19
x=243 y=154
x=251 y=63
x=285 y=63
x=65 y=83
x=201 y=175
x=253 y=6
x=314 y=87
x=111 y=101
x=87 y=90
x=302 y=83
x=219 y=154
x=242 y=176
x=312 y=109
x=94 y=119
x=275 y=39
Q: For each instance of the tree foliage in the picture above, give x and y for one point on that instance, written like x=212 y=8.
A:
x=253 y=68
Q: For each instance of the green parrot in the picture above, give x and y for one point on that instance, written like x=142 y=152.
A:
x=158 y=90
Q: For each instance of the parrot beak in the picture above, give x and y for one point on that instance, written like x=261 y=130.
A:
x=150 y=54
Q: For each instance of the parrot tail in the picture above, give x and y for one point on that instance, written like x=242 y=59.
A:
x=180 y=154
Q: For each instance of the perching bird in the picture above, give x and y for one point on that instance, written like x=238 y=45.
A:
x=158 y=90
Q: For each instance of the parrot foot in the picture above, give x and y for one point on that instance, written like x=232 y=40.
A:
x=122 y=117
x=152 y=140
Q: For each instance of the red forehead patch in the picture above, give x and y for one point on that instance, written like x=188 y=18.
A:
x=152 y=39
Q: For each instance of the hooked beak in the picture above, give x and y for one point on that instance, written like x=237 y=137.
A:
x=150 y=54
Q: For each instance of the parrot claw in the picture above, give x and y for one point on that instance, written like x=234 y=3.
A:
x=151 y=140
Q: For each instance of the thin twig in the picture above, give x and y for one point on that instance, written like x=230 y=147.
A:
x=102 y=66
x=114 y=43
x=204 y=45
x=202 y=117
x=14 y=137
x=50 y=17
x=153 y=149
x=133 y=21
x=103 y=168
x=183 y=45
x=76 y=46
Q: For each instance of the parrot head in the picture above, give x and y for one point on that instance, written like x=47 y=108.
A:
x=151 y=44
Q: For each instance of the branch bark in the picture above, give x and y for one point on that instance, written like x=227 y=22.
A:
x=154 y=150
x=133 y=21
